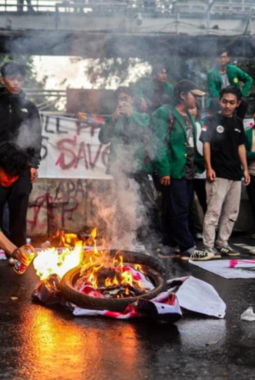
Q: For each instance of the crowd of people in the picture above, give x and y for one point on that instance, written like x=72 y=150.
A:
x=158 y=130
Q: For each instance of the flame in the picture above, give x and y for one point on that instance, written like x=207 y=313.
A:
x=139 y=268
x=98 y=271
x=49 y=261
x=127 y=278
x=93 y=235
x=110 y=282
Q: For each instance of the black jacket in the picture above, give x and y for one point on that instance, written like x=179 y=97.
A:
x=20 y=123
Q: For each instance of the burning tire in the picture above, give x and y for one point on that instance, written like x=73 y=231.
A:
x=154 y=270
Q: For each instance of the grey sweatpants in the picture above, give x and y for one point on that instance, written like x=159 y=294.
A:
x=223 y=201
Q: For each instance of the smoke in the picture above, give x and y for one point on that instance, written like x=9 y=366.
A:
x=123 y=211
x=28 y=137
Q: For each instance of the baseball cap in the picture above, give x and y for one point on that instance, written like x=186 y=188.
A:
x=186 y=85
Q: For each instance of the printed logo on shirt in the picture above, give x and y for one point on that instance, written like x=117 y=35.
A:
x=237 y=130
x=204 y=128
x=24 y=110
x=235 y=80
x=220 y=129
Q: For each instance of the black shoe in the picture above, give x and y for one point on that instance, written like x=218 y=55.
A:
x=186 y=255
x=167 y=251
x=227 y=250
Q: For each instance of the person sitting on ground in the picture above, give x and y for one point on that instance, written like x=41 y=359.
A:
x=126 y=131
x=155 y=92
x=173 y=133
x=223 y=138
x=223 y=75
x=250 y=151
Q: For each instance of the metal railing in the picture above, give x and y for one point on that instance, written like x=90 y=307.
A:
x=109 y=7
x=48 y=98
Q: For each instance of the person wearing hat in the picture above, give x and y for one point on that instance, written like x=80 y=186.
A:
x=173 y=130
x=127 y=132
x=223 y=138
x=223 y=75
x=154 y=92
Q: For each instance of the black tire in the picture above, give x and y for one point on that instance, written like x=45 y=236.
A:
x=153 y=267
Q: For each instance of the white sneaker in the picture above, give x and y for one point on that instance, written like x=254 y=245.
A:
x=204 y=255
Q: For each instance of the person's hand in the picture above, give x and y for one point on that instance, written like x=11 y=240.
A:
x=165 y=181
x=117 y=113
x=33 y=174
x=20 y=255
x=126 y=110
x=247 y=178
x=211 y=175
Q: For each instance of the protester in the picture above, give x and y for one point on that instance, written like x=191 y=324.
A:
x=225 y=158
x=250 y=151
x=173 y=142
x=223 y=75
x=126 y=131
x=155 y=92
x=21 y=128
x=199 y=179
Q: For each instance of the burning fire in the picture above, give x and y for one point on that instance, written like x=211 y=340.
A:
x=98 y=271
x=49 y=261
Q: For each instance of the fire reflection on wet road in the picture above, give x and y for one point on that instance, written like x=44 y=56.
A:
x=42 y=343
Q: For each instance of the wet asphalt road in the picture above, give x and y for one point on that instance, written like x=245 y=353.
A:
x=41 y=343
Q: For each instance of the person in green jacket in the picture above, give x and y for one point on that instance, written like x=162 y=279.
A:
x=223 y=75
x=127 y=132
x=250 y=152
x=155 y=92
x=173 y=135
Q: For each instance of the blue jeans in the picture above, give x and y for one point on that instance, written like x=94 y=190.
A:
x=178 y=197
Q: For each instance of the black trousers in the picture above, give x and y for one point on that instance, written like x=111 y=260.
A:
x=251 y=194
x=194 y=221
x=16 y=196
x=178 y=198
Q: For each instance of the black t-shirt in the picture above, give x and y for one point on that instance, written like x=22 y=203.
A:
x=224 y=135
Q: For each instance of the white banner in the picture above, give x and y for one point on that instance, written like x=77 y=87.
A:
x=70 y=148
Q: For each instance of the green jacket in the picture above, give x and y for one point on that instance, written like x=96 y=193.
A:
x=235 y=76
x=170 y=149
x=248 y=144
x=132 y=143
x=146 y=91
